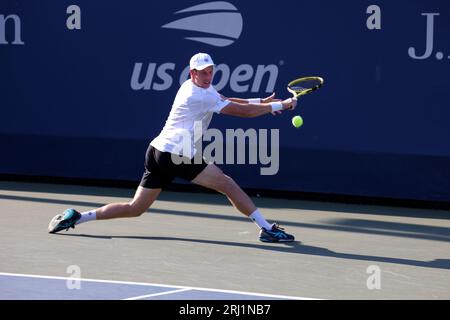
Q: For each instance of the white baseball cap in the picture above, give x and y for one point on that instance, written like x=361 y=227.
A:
x=200 y=61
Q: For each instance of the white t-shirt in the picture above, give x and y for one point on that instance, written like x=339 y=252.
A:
x=193 y=107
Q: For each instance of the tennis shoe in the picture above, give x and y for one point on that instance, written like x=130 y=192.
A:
x=277 y=234
x=66 y=220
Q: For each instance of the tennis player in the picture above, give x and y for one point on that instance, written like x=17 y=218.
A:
x=196 y=100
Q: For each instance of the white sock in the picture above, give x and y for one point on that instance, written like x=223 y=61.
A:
x=259 y=220
x=87 y=216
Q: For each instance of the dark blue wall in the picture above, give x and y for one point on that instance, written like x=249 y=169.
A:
x=379 y=127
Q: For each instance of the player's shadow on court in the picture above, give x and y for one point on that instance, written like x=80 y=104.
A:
x=295 y=247
x=362 y=226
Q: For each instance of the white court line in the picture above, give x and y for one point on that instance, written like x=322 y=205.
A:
x=157 y=294
x=156 y=284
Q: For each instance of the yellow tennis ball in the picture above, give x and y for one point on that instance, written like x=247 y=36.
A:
x=297 y=121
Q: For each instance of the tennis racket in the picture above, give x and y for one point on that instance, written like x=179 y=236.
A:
x=305 y=85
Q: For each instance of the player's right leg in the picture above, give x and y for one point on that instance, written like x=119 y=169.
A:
x=143 y=199
x=153 y=181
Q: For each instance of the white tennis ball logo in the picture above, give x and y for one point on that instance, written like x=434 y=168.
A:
x=223 y=27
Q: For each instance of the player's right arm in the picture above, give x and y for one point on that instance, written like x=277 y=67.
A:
x=268 y=99
x=252 y=110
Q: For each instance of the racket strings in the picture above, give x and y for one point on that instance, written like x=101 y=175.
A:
x=298 y=88
x=305 y=85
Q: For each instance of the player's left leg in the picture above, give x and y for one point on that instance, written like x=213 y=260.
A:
x=213 y=178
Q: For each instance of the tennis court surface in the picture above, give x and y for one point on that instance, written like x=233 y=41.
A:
x=196 y=246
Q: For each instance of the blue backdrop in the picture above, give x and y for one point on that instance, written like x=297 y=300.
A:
x=85 y=85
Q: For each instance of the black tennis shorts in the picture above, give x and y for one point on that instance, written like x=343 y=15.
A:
x=160 y=170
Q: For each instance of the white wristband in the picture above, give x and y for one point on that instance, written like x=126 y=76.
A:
x=276 y=106
x=254 y=100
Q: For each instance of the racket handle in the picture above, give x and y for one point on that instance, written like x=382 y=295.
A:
x=293 y=98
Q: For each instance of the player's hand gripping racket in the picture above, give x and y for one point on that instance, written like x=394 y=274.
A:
x=305 y=85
